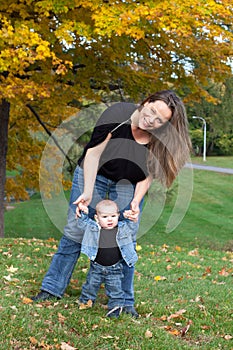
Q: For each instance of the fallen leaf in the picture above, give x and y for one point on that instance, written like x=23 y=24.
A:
x=185 y=329
x=215 y=282
x=165 y=248
x=14 y=308
x=83 y=306
x=159 y=278
x=12 y=269
x=65 y=346
x=163 y=318
x=61 y=318
x=202 y=308
x=193 y=252
x=205 y=327
x=33 y=340
x=178 y=249
x=178 y=314
x=138 y=248
x=148 y=334
x=172 y=331
x=27 y=301
x=8 y=278
x=223 y=272
x=51 y=239
x=175 y=332
x=228 y=337
x=107 y=337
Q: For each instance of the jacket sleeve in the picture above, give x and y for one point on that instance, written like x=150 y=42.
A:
x=84 y=221
x=131 y=228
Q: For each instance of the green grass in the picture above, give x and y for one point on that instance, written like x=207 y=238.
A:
x=207 y=223
x=174 y=287
x=30 y=219
x=209 y=220
x=182 y=278
x=225 y=162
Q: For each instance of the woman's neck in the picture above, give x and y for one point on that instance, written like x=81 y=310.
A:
x=140 y=136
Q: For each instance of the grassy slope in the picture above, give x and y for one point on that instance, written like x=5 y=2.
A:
x=209 y=219
x=207 y=223
x=174 y=287
x=182 y=278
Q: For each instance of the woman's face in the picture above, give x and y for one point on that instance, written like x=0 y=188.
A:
x=154 y=115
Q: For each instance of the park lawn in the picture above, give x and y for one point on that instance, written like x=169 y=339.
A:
x=183 y=280
x=223 y=161
x=207 y=223
x=184 y=297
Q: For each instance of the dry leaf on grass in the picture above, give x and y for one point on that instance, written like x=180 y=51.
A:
x=160 y=278
x=65 y=346
x=228 y=337
x=186 y=328
x=178 y=314
x=27 y=301
x=223 y=272
x=83 y=306
x=193 y=252
x=148 y=334
x=12 y=269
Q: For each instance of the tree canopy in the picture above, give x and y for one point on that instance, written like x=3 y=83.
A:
x=163 y=43
x=55 y=54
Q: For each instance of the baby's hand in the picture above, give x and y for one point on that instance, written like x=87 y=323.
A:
x=129 y=214
x=82 y=207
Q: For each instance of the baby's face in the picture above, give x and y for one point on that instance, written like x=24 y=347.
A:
x=107 y=218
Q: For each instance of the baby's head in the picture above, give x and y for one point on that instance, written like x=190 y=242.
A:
x=107 y=214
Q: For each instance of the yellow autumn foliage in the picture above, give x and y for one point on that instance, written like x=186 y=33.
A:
x=56 y=54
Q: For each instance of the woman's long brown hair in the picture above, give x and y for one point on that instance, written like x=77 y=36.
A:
x=170 y=145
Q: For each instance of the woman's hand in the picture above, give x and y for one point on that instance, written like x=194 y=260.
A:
x=134 y=212
x=128 y=214
x=82 y=203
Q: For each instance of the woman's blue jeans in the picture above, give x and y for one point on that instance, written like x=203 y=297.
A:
x=64 y=260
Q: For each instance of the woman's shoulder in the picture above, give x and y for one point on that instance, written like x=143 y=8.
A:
x=117 y=113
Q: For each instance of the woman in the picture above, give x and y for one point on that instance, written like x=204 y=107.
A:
x=129 y=147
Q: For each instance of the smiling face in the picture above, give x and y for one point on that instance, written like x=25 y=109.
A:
x=153 y=115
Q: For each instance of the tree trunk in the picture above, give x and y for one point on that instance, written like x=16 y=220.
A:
x=4 y=120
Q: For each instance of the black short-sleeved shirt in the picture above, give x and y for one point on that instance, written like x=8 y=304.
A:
x=123 y=157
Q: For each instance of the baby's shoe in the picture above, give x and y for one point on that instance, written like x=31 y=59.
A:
x=115 y=312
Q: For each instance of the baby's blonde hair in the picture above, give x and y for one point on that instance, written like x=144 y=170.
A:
x=106 y=203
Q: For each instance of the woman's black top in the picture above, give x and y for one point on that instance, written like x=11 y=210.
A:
x=123 y=157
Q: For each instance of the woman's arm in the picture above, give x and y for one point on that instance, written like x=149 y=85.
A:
x=141 y=189
x=90 y=169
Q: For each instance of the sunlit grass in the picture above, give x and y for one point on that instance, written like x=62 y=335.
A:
x=183 y=281
x=183 y=297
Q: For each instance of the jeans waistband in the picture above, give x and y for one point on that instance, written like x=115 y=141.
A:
x=108 y=266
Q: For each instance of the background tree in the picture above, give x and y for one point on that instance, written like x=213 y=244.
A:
x=55 y=54
x=218 y=115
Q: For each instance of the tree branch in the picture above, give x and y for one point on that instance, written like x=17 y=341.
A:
x=51 y=135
